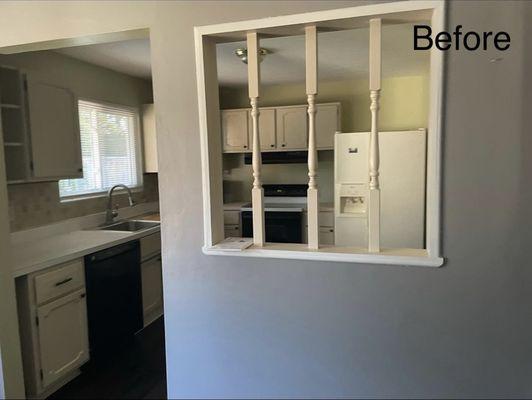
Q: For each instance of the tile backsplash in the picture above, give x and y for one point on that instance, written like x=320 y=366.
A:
x=37 y=204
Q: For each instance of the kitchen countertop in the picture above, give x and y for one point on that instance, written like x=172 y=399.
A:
x=235 y=206
x=150 y=217
x=33 y=255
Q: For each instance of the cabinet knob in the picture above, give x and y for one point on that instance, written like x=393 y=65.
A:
x=272 y=145
x=245 y=146
x=80 y=169
x=283 y=145
x=331 y=230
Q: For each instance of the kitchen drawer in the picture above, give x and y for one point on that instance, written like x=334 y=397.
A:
x=150 y=245
x=231 y=217
x=326 y=218
x=326 y=235
x=232 y=231
x=59 y=281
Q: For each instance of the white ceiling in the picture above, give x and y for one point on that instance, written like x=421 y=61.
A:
x=130 y=57
x=341 y=55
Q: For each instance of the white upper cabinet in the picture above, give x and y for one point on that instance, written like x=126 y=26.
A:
x=266 y=130
x=327 y=123
x=280 y=128
x=63 y=336
x=235 y=131
x=54 y=132
x=150 y=138
x=292 y=128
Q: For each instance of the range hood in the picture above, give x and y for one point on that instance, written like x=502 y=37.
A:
x=280 y=157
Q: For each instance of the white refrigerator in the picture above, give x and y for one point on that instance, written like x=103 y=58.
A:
x=402 y=179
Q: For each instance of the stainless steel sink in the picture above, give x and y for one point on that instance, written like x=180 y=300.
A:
x=130 y=226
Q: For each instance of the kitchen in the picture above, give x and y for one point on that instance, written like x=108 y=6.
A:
x=341 y=119
x=287 y=320
x=73 y=254
x=78 y=132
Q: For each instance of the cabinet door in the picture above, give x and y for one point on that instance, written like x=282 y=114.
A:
x=150 y=138
x=266 y=130
x=63 y=336
x=232 y=231
x=327 y=123
x=326 y=235
x=235 y=130
x=152 y=289
x=54 y=125
x=292 y=128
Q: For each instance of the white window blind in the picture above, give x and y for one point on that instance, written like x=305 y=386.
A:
x=108 y=148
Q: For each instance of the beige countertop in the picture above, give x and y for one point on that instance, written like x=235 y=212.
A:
x=35 y=254
x=150 y=217
x=235 y=206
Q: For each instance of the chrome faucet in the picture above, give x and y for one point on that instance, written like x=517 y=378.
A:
x=111 y=213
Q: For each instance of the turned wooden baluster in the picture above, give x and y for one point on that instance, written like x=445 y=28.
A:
x=257 y=192
x=374 y=89
x=311 y=63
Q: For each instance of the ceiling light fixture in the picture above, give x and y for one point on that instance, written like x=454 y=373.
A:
x=242 y=53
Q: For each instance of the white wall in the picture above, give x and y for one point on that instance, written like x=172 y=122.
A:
x=245 y=327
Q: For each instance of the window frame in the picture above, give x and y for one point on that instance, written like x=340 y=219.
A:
x=139 y=155
x=211 y=146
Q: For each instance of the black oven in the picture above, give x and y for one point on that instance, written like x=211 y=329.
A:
x=280 y=226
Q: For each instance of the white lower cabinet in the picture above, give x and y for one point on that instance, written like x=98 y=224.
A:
x=152 y=289
x=232 y=231
x=326 y=235
x=63 y=339
x=325 y=229
x=152 y=281
x=53 y=326
x=52 y=312
x=232 y=226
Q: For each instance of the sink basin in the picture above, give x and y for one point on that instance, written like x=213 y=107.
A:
x=130 y=226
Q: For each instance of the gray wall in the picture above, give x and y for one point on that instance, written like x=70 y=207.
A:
x=249 y=328
x=287 y=328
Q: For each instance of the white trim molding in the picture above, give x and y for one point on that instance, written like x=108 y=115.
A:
x=206 y=38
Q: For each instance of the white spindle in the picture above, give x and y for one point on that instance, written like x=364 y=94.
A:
x=311 y=62
x=257 y=192
x=374 y=88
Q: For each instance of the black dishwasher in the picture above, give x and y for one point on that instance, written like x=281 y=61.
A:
x=114 y=297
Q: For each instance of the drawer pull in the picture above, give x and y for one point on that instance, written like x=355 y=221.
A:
x=63 y=281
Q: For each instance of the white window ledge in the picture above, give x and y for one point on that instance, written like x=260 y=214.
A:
x=404 y=257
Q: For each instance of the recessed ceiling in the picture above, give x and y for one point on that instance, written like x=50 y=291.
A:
x=130 y=57
x=342 y=55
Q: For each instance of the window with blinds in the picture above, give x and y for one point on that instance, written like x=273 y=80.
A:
x=109 y=149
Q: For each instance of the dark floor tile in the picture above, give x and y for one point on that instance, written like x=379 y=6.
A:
x=136 y=371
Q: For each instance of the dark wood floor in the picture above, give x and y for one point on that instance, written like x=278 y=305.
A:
x=138 y=371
